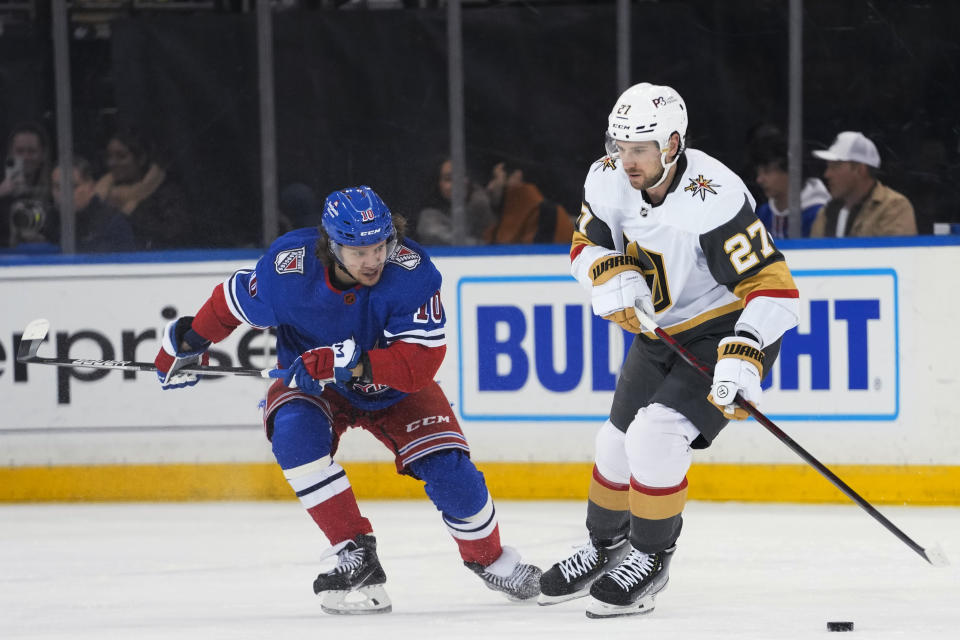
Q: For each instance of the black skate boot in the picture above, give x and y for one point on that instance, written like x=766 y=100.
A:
x=507 y=574
x=631 y=587
x=355 y=585
x=571 y=578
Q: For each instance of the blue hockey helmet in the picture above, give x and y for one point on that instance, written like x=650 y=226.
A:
x=357 y=217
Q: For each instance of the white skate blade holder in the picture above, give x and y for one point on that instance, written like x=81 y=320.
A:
x=544 y=600
x=365 y=600
x=643 y=606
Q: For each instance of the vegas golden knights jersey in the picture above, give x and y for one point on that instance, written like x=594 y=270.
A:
x=703 y=251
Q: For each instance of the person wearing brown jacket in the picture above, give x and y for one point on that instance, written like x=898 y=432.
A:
x=525 y=216
x=861 y=205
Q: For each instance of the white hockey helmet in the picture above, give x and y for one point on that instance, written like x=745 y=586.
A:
x=648 y=112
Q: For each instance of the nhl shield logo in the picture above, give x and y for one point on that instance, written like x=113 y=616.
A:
x=290 y=261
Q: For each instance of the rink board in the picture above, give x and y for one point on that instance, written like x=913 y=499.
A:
x=865 y=384
x=879 y=484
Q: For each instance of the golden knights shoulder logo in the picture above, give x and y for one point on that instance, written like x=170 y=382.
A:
x=605 y=163
x=701 y=186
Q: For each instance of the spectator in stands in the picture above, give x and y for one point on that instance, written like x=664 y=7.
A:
x=25 y=191
x=100 y=227
x=141 y=188
x=769 y=156
x=524 y=215
x=435 y=219
x=861 y=205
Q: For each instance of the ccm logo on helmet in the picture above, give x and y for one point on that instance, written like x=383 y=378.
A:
x=371 y=232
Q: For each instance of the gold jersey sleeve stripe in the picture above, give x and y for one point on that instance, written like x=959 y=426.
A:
x=775 y=276
x=580 y=239
x=695 y=321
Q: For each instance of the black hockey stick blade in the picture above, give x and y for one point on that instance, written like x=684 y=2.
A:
x=36 y=332
x=934 y=555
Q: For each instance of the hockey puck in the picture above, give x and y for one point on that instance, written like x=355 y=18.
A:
x=839 y=626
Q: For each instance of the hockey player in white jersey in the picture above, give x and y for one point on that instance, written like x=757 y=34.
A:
x=672 y=231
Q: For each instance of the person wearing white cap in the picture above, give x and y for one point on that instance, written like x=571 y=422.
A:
x=769 y=157
x=861 y=205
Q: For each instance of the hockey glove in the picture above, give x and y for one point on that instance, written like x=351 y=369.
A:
x=181 y=347
x=319 y=367
x=739 y=364
x=618 y=287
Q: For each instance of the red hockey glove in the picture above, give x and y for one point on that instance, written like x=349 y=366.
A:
x=318 y=367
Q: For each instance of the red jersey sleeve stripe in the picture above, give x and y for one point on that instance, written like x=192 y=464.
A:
x=576 y=250
x=772 y=293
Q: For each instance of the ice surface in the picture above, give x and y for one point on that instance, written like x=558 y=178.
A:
x=244 y=570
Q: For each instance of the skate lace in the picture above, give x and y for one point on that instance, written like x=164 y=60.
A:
x=634 y=568
x=349 y=559
x=581 y=562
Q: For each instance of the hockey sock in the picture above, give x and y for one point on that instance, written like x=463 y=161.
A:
x=608 y=509
x=301 y=445
x=325 y=492
x=656 y=515
x=457 y=488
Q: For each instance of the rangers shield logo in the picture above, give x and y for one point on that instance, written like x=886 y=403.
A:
x=290 y=261
x=406 y=258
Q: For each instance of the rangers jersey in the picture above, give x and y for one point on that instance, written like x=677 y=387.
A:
x=703 y=252
x=290 y=289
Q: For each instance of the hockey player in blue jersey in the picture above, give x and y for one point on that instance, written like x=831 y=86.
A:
x=360 y=336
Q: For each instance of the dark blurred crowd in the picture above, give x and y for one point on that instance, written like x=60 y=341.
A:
x=128 y=199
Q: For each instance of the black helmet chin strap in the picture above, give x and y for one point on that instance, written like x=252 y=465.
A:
x=338 y=258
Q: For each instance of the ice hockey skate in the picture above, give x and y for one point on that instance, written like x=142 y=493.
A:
x=631 y=587
x=507 y=574
x=571 y=578
x=355 y=585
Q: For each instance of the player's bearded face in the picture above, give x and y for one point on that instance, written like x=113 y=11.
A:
x=641 y=163
x=365 y=264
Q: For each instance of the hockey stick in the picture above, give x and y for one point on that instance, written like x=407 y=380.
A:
x=934 y=555
x=36 y=332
